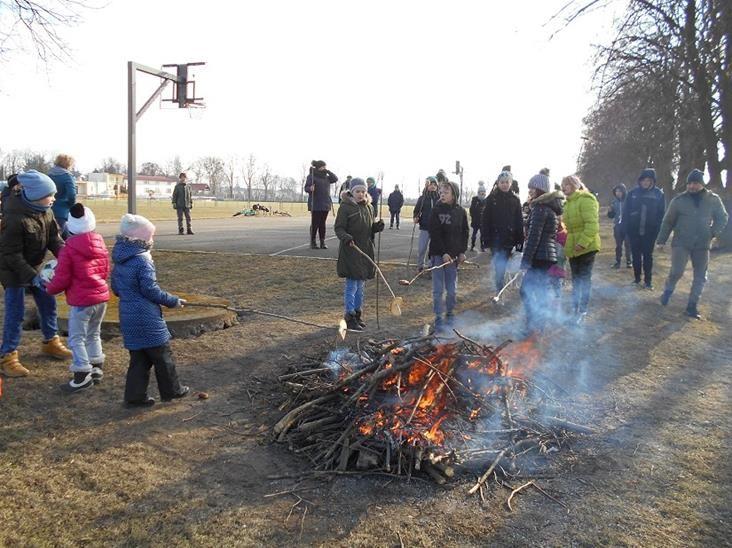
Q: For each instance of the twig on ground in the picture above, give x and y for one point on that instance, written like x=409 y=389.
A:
x=515 y=491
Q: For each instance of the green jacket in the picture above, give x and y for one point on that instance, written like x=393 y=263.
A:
x=182 y=198
x=25 y=238
x=355 y=222
x=694 y=224
x=582 y=219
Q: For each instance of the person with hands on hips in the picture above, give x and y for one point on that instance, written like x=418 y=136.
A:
x=449 y=232
x=320 y=203
x=355 y=227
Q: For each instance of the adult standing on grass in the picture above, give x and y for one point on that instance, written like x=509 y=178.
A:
x=502 y=225
x=582 y=219
x=355 y=227
x=540 y=251
x=320 y=203
x=643 y=211
x=695 y=217
x=395 y=202
x=422 y=212
x=183 y=202
x=65 y=183
x=615 y=212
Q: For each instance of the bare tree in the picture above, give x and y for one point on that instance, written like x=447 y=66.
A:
x=151 y=168
x=111 y=165
x=174 y=167
x=38 y=23
x=37 y=161
x=249 y=174
x=213 y=169
x=230 y=175
x=265 y=179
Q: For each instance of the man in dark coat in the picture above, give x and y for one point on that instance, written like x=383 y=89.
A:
x=695 y=217
x=476 y=214
x=615 y=212
x=320 y=203
x=395 y=201
x=344 y=187
x=643 y=212
x=183 y=202
x=502 y=225
x=375 y=193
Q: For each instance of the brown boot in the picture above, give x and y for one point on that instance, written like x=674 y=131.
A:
x=11 y=367
x=56 y=349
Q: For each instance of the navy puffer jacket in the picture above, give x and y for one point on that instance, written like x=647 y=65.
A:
x=65 y=192
x=135 y=283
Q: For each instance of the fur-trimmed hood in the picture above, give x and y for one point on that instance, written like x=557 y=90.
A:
x=347 y=197
x=554 y=199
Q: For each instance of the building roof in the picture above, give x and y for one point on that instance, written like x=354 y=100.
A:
x=160 y=178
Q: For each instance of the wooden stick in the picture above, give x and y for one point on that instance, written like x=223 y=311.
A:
x=359 y=250
x=513 y=279
x=488 y=472
x=518 y=489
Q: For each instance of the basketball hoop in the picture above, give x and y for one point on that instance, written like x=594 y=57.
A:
x=196 y=111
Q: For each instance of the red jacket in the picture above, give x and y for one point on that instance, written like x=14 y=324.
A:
x=82 y=271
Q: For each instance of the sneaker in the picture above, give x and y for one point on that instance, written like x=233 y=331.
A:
x=313 y=245
x=11 y=367
x=322 y=245
x=665 y=297
x=692 y=311
x=648 y=286
x=144 y=402
x=628 y=265
x=616 y=266
x=391 y=228
x=55 y=349
x=97 y=373
x=184 y=390
x=81 y=381
x=472 y=248
x=580 y=319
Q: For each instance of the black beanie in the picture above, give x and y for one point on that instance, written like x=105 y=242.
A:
x=317 y=164
x=77 y=210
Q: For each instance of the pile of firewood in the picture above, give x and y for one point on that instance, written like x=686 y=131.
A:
x=422 y=406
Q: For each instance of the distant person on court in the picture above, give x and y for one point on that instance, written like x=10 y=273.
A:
x=144 y=332
x=29 y=232
x=476 y=213
x=183 y=203
x=375 y=193
x=344 y=187
x=395 y=201
x=695 y=217
x=643 y=211
x=82 y=272
x=65 y=183
x=317 y=185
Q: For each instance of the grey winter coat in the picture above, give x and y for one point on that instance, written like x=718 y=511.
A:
x=182 y=198
x=694 y=221
x=355 y=222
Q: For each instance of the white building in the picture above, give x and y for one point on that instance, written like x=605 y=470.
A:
x=113 y=185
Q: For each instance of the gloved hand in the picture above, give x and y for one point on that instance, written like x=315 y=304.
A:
x=38 y=282
x=378 y=226
x=181 y=303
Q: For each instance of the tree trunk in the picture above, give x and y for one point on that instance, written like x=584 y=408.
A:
x=724 y=23
x=691 y=148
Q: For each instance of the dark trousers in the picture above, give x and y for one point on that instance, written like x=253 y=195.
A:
x=536 y=296
x=641 y=247
x=138 y=374
x=394 y=215
x=474 y=236
x=581 y=267
x=621 y=240
x=183 y=211
x=317 y=224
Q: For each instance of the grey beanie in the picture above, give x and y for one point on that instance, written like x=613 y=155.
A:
x=355 y=183
x=695 y=176
x=540 y=182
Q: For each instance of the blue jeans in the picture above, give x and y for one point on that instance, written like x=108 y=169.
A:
x=85 y=341
x=14 y=310
x=443 y=279
x=500 y=262
x=353 y=295
x=422 y=246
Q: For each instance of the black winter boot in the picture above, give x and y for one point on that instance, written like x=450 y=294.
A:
x=322 y=245
x=692 y=311
x=313 y=245
x=360 y=322
x=352 y=323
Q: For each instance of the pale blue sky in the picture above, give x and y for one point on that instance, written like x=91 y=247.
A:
x=405 y=87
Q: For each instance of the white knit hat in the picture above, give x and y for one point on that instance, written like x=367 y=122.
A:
x=81 y=220
x=136 y=227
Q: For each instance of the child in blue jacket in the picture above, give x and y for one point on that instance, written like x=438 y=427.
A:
x=144 y=332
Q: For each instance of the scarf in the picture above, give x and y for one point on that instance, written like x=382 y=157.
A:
x=35 y=207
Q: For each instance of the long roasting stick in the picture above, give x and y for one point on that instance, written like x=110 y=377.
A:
x=513 y=279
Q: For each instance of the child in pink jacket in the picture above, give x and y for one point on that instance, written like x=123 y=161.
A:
x=82 y=272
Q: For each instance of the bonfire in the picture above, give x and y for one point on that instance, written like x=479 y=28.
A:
x=426 y=406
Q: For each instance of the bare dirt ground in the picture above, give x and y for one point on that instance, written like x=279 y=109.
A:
x=83 y=470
